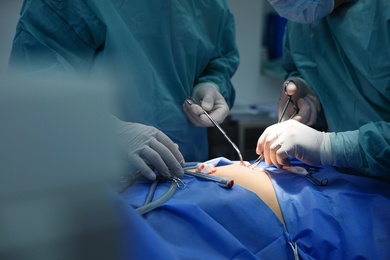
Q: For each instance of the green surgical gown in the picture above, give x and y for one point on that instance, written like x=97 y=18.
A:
x=345 y=58
x=154 y=51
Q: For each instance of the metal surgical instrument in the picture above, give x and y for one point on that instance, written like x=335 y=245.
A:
x=191 y=101
x=223 y=182
x=257 y=161
x=307 y=174
x=289 y=90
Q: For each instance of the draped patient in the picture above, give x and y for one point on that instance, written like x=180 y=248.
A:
x=255 y=180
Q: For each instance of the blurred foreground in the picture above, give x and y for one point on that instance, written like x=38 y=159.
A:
x=57 y=164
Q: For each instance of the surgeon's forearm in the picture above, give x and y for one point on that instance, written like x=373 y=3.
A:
x=342 y=150
x=374 y=141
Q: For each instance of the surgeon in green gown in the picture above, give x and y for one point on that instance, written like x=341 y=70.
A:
x=337 y=56
x=155 y=53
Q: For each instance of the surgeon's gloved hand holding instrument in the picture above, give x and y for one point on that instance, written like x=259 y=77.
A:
x=191 y=101
x=289 y=89
x=147 y=148
x=211 y=100
x=292 y=138
x=306 y=100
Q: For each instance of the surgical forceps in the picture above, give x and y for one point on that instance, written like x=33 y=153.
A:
x=223 y=182
x=308 y=172
x=289 y=90
x=191 y=101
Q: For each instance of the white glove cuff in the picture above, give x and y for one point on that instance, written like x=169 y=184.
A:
x=342 y=150
x=200 y=85
x=326 y=153
x=116 y=122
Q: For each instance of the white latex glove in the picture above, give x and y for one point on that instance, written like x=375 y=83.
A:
x=146 y=146
x=293 y=139
x=211 y=100
x=304 y=98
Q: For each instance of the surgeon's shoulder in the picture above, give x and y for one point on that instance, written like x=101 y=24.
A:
x=75 y=17
x=73 y=12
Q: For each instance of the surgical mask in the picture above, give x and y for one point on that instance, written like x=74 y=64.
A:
x=303 y=11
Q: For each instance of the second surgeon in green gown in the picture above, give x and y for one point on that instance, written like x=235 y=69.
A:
x=340 y=63
x=157 y=52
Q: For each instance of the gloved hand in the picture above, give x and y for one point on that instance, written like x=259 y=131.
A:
x=305 y=99
x=291 y=138
x=211 y=100
x=146 y=146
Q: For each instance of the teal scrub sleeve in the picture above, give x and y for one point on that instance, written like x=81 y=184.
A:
x=60 y=36
x=224 y=62
x=374 y=140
